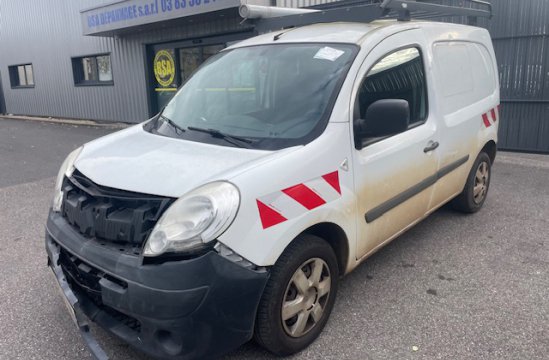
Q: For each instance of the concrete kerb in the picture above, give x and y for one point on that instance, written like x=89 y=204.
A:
x=79 y=122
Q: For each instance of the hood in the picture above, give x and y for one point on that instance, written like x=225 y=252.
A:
x=135 y=160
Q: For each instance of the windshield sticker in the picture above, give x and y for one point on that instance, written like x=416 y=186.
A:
x=328 y=53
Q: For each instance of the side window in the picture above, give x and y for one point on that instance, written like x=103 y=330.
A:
x=399 y=75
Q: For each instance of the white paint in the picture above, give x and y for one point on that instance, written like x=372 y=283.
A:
x=137 y=161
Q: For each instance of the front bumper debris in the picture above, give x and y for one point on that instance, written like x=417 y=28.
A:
x=186 y=309
x=75 y=311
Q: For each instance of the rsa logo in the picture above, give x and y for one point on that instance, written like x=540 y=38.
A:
x=164 y=68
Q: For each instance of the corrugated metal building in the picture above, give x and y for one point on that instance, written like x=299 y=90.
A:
x=116 y=43
x=122 y=60
x=520 y=31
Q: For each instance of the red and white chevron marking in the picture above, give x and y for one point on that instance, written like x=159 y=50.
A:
x=492 y=115
x=296 y=200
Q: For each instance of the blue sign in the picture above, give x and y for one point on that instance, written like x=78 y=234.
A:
x=128 y=13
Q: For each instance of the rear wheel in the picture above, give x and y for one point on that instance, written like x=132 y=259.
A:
x=299 y=296
x=476 y=189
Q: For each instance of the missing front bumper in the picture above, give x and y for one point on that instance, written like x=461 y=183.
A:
x=74 y=310
x=187 y=309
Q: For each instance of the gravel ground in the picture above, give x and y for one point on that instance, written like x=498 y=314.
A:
x=454 y=286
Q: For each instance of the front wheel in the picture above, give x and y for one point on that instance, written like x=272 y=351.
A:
x=299 y=296
x=476 y=189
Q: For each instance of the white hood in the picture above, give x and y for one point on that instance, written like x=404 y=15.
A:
x=135 y=160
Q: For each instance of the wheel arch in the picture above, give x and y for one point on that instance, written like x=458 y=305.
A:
x=490 y=148
x=335 y=236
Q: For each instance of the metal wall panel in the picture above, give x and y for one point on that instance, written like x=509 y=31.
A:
x=48 y=33
x=520 y=32
x=2 y=103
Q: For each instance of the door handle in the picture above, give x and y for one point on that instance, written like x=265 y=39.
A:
x=431 y=145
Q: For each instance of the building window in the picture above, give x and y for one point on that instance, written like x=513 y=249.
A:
x=21 y=76
x=92 y=70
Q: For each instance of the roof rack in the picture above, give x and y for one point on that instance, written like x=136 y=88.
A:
x=271 y=18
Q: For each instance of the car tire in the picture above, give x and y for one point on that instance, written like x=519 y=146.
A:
x=303 y=281
x=475 y=191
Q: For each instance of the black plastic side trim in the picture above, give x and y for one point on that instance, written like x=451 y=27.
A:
x=390 y=204
x=451 y=167
x=379 y=210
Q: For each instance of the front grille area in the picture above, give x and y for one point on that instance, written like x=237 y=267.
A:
x=85 y=279
x=110 y=215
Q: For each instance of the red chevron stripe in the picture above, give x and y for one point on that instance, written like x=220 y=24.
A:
x=305 y=196
x=269 y=217
x=485 y=120
x=333 y=179
x=494 y=117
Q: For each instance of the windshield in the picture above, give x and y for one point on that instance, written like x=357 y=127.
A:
x=264 y=97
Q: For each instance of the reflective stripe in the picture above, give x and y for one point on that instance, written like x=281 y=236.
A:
x=494 y=117
x=333 y=180
x=296 y=200
x=323 y=189
x=269 y=217
x=485 y=120
x=285 y=205
x=305 y=196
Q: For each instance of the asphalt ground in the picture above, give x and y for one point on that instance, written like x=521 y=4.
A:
x=453 y=287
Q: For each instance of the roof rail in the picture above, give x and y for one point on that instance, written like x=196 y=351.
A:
x=271 y=18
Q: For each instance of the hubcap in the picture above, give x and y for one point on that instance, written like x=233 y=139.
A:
x=481 y=182
x=306 y=297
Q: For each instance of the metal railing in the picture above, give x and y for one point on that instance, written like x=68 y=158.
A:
x=267 y=18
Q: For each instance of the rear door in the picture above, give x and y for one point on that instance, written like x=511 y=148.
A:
x=394 y=175
x=466 y=82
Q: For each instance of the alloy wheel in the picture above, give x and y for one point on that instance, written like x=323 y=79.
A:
x=306 y=297
x=481 y=182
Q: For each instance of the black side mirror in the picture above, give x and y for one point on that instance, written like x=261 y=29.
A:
x=383 y=118
x=388 y=117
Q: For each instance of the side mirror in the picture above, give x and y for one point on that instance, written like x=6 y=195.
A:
x=383 y=118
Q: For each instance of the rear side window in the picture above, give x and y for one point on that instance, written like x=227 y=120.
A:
x=465 y=74
x=398 y=75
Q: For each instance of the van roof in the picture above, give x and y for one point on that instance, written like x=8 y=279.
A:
x=340 y=32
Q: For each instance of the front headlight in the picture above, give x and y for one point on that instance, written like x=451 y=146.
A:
x=66 y=169
x=195 y=219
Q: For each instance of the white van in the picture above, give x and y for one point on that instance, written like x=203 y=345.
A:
x=282 y=164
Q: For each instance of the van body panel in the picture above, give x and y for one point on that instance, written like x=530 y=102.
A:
x=307 y=165
x=386 y=170
x=135 y=160
x=464 y=70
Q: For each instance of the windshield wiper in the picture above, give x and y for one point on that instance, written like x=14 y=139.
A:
x=178 y=129
x=221 y=135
